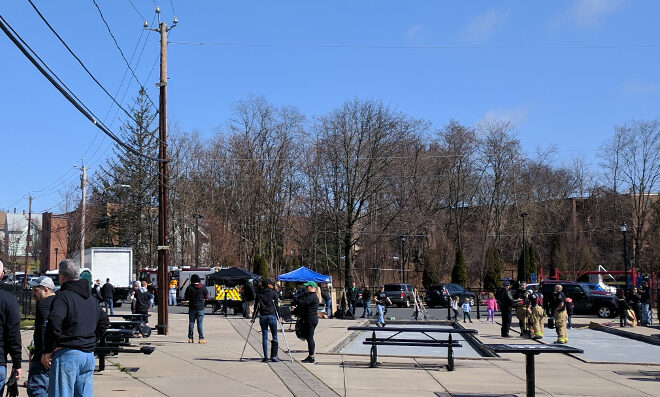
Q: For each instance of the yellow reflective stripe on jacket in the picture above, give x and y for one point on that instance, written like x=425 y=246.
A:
x=232 y=293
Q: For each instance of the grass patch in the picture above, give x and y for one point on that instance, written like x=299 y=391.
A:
x=27 y=322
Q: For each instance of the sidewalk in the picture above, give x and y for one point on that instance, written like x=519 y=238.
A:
x=177 y=368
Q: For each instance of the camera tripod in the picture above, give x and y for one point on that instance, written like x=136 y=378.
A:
x=279 y=324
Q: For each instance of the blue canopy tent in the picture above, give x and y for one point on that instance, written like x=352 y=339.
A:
x=304 y=274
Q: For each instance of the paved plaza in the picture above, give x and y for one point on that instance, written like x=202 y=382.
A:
x=178 y=368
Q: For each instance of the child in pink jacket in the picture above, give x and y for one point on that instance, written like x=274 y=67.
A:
x=491 y=305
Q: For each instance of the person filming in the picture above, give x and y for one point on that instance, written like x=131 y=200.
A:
x=266 y=304
x=306 y=308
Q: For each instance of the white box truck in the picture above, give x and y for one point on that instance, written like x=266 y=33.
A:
x=115 y=263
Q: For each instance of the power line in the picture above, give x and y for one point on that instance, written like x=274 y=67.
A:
x=78 y=59
x=122 y=52
x=76 y=103
x=422 y=47
x=172 y=5
x=138 y=11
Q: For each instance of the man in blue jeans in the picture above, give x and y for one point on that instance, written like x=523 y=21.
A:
x=108 y=294
x=43 y=290
x=381 y=300
x=74 y=323
x=196 y=295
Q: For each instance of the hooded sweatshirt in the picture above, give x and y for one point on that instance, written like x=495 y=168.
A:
x=196 y=295
x=10 y=333
x=75 y=320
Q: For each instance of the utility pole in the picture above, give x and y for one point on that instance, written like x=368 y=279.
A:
x=27 y=244
x=524 y=255
x=163 y=177
x=83 y=186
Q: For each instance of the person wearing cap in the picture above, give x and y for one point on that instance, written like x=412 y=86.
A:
x=266 y=306
x=75 y=322
x=248 y=297
x=43 y=290
x=10 y=320
x=306 y=307
x=196 y=295
x=506 y=302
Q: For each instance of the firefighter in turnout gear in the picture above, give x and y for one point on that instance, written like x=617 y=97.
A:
x=561 y=317
x=522 y=308
x=537 y=316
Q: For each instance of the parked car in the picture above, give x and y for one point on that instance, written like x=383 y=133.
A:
x=584 y=301
x=436 y=295
x=597 y=289
x=400 y=294
x=462 y=293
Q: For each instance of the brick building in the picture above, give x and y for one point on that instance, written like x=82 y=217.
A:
x=53 y=241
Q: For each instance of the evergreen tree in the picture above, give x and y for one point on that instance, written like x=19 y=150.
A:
x=126 y=188
x=459 y=273
x=260 y=266
x=557 y=257
x=430 y=275
x=529 y=263
x=493 y=269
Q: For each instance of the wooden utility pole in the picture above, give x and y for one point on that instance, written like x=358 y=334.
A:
x=27 y=244
x=163 y=180
x=83 y=186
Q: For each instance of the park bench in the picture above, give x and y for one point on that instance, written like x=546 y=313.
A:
x=531 y=350
x=117 y=338
x=285 y=316
x=392 y=340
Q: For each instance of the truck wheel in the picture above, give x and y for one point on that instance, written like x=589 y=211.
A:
x=605 y=312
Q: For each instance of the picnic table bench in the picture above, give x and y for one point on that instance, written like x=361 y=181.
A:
x=531 y=350
x=391 y=340
x=116 y=338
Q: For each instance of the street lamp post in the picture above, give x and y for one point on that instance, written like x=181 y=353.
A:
x=524 y=215
x=624 y=229
x=403 y=259
x=56 y=250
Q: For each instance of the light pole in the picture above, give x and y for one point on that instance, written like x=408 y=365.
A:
x=524 y=215
x=197 y=216
x=403 y=259
x=624 y=229
x=56 y=250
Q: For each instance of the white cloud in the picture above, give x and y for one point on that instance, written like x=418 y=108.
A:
x=412 y=32
x=516 y=115
x=483 y=26
x=637 y=87
x=586 y=13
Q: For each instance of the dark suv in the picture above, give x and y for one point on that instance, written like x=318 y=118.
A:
x=584 y=301
x=400 y=294
x=440 y=294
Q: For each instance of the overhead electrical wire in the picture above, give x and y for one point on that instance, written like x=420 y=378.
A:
x=114 y=39
x=423 y=47
x=16 y=39
x=138 y=11
x=79 y=60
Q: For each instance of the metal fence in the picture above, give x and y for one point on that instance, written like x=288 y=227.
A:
x=27 y=305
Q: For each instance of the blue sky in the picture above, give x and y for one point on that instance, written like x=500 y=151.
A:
x=565 y=72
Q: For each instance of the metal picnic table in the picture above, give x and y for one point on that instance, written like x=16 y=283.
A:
x=393 y=341
x=531 y=350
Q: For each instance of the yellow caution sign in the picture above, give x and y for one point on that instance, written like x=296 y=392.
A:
x=233 y=294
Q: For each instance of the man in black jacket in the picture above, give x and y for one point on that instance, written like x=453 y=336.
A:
x=306 y=307
x=10 y=320
x=196 y=295
x=74 y=324
x=506 y=301
x=108 y=294
x=43 y=290
x=142 y=299
x=248 y=297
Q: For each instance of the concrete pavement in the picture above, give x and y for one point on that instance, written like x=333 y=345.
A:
x=178 y=368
